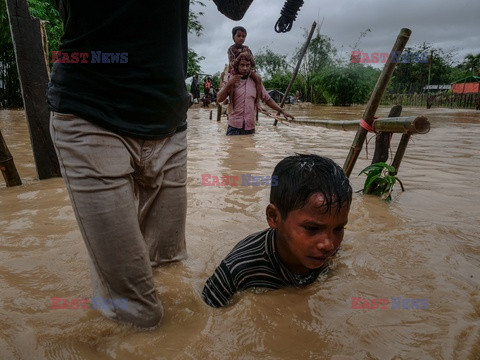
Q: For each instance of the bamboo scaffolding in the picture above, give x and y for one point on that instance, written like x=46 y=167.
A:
x=295 y=72
x=375 y=98
x=401 y=125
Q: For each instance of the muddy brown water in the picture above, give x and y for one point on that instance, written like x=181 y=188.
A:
x=423 y=245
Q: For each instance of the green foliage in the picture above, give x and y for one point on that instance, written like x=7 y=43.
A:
x=380 y=180
x=193 y=63
x=194 y=25
x=349 y=85
x=5 y=37
x=277 y=81
x=471 y=64
x=321 y=54
x=411 y=77
x=269 y=63
x=46 y=10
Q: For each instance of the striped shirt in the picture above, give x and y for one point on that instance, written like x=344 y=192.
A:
x=253 y=262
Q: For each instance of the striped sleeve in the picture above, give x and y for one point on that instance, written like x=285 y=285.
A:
x=220 y=287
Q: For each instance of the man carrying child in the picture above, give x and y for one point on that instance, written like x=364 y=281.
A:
x=241 y=89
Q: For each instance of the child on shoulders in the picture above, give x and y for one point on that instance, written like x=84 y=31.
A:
x=239 y=34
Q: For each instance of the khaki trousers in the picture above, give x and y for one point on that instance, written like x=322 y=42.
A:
x=129 y=198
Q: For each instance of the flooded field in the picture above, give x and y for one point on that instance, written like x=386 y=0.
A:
x=423 y=245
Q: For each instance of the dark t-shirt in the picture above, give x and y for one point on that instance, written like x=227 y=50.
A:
x=133 y=82
x=253 y=262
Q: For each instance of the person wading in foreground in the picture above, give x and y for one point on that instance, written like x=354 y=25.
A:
x=119 y=129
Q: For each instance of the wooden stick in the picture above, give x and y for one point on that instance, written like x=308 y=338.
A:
x=402 y=147
x=406 y=124
x=295 y=72
x=375 y=99
x=7 y=166
x=276 y=117
x=382 y=139
x=33 y=75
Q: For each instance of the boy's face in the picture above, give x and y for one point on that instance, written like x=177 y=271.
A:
x=309 y=236
x=239 y=38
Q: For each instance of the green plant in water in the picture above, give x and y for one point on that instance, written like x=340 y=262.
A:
x=380 y=180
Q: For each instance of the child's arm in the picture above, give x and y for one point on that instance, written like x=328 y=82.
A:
x=219 y=288
x=225 y=90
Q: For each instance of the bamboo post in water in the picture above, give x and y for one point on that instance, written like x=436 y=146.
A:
x=375 y=99
x=33 y=75
x=7 y=166
x=295 y=72
x=382 y=139
x=402 y=147
x=219 y=112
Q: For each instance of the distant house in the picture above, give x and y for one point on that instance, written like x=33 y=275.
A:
x=470 y=84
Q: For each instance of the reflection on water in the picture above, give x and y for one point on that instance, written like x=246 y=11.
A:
x=424 y=245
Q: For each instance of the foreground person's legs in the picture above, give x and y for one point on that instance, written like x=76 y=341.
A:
x=98 y=167
x=163 y=198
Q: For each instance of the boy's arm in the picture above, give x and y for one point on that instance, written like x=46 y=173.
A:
x=233 y=9
x=220 y=287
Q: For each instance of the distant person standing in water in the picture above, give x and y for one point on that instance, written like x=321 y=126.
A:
x=194 y=89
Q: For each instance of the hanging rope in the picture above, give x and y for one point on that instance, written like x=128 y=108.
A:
x=288 y=15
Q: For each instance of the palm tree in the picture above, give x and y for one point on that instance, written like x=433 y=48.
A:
x=472 y=63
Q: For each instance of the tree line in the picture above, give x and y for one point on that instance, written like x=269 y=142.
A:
x=325 y=77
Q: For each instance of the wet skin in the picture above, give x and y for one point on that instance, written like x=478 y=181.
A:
x=308 y=237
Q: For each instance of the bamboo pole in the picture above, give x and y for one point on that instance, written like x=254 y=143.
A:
x=402 y=147
x=374 y=101
x=382 y=139
x=33 y=75
x=407 y=124
x=295 y=72
x=7 y=166
x=219 y=112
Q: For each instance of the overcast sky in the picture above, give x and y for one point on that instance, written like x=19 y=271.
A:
x=451 y=25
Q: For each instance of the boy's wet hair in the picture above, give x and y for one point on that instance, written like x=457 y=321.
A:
x=301 y=175
x=243 y=56
x=238 y=28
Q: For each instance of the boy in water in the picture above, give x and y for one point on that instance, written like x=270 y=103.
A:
x=307 y=215
x=239 y=34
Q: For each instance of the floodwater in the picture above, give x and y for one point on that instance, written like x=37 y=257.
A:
x=423 y=245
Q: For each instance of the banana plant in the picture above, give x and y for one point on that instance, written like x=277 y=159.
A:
x=381 y=178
